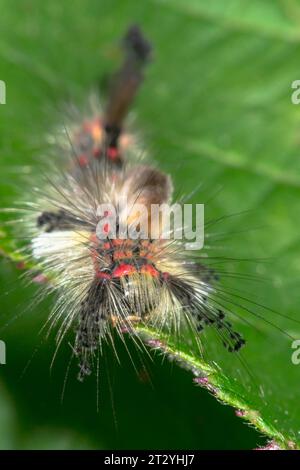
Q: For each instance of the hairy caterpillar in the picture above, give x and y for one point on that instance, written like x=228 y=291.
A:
x=109 y=284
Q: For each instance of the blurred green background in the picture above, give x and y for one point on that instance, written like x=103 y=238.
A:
x=215 y=108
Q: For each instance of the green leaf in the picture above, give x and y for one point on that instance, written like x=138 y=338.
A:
x=7 y=420
x=216 y=108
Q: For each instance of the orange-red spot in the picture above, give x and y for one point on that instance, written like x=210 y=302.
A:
x=94 y=128
x=112 y=153
x=119 y=255
x=149 y=269
x=83 y=160
x=124 y=270
x=96 y=132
